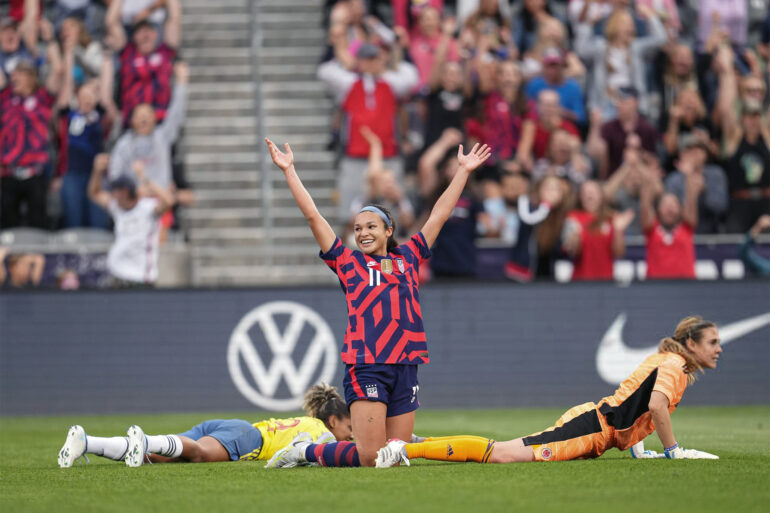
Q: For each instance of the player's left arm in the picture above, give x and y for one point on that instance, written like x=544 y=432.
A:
x=446 y=203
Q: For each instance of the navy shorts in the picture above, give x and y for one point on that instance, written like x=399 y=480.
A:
x=237 y=436
x=394 y=385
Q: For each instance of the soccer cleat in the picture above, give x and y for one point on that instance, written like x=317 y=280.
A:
x=325 y=438
x=392 y=454
x=74 y=447
x=137 y=447
x=293 y=455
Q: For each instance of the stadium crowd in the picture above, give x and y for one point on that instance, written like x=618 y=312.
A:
x=607 y=118
x=92 y=89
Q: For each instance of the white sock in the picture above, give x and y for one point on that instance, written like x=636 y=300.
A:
x=165 y=445
x=114 y=447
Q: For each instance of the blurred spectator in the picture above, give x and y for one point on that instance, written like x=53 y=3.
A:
x=730 y=16
x=406 y=13
x=593 y=235
x=546 y=201
x=383 y=189
x=713 y=200
x=133 y=257
x=668 y=13
x=453 y=252
x=746 y=149
x=88 y=53
x=82 y=132
x=678 y=75
x=25 y=270
x=553 y=79
x=537 y=132
x=501 y=105
x=685 y=118
x=91 y=13
x=148 y=142
x=628 y=121
x=369 y=98
x=751 y=259
x=552 y=34
x=432 y=41
x=447 y=91
x=503 y=210
x=25 y=109
x=489 y=30
x=67 y=279
x=619 y=60
x=16 y=44
x=146 y=63
x=669 y=227
x=564 y=159
x=527 y=22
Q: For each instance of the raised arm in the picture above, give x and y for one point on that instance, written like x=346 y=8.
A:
x=375 y=149
x=693 y=185
x=170 y=127
x=164 y=196
x=95 y=191
x=173 y=28
x=321 y=229
x=728 y=92
x=448 y=28
x=446 y=203
x=106 y=86
x=55 y=74
x=646 y=203
x=116 y=34
x=28 y=28
x=68 y=80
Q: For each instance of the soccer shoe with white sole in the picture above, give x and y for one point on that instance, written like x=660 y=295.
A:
x=325 y=438
x=392 y=454
x=678 y=453
x=74 y=447
x=137 y=446
x=293 y=455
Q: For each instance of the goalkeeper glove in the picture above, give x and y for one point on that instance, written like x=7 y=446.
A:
x=638 y=452
x=677 y=453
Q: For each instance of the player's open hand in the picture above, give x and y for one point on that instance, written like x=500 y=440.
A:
x=281 y=159
x=475 y=158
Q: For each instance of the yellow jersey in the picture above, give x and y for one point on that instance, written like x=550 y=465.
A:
x=278 y=433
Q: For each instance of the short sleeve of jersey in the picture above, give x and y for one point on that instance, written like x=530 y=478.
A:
x=671 y=380
x=337 y=255
x=418 y=246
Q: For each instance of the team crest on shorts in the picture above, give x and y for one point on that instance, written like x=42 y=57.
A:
x=371 y=391
x=386 y=266
x=546 y=453
x=400 y=264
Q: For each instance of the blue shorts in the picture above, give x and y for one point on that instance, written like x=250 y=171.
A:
x=238 y=437
x=394 y=385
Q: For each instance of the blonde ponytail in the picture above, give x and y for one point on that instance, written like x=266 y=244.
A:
x=688 y=328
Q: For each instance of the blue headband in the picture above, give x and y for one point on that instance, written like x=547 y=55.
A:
x=379 y=212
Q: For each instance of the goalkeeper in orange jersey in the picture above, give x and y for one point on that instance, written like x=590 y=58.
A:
x=642 y=404
x=328 y=419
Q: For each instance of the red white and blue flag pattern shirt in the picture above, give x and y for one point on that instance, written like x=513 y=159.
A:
x=384 y=316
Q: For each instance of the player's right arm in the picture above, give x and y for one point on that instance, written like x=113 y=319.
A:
x=321 y=229
x=662 y=418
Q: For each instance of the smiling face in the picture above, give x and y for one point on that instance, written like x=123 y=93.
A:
x=591 y=196
x=669 y=211
x=145 y=38
x=371 y=234
x=143 y=119
x=708 y=349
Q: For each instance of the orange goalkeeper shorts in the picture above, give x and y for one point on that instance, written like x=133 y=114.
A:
x=582 y=432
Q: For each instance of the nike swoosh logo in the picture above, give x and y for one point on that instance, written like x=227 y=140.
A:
x=615 y=361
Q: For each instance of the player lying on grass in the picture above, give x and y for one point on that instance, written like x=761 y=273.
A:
x=642 y=404
x=328 y=419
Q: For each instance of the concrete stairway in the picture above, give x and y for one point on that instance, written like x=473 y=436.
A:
x=245 y=228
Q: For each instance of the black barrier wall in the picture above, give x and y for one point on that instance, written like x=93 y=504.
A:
x=491 y=345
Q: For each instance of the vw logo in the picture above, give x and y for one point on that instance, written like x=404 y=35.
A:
x=243 y=354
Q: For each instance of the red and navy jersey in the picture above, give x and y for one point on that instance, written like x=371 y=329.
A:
x=384 y=316
x=24 y=128
x=146 y=79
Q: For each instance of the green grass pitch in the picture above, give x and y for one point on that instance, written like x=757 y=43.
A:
x=740 y=481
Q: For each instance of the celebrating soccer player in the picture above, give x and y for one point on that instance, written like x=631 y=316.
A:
x=642 y=404
x=385 y=339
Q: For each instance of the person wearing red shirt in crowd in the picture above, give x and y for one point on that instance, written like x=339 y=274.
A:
x=146 y=65
x=537 y=129
x=25 y=116
x=593 y=236
x=669 y=227
x=431 y=37
x=502 y=105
